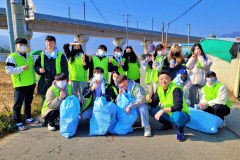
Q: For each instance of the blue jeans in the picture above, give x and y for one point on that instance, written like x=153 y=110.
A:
x=179 y=118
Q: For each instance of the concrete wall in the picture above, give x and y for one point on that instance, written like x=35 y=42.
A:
x=227 y=73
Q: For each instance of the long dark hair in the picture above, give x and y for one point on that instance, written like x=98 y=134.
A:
x=200 y=47
x=111 y=79
x=73 y=55
x=132 y=56
x=158 y=47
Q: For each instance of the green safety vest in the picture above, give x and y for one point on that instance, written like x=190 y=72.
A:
x=133 y=71
x=27 y=77
x=76 y=70
x=120 y=69
x=57 y=63
x=103 y=63
x=167 y=99
x=212 y=92
x=153 y=71
x=115 y=90
x=57 y=94
x=199 y=65
x=89 y=100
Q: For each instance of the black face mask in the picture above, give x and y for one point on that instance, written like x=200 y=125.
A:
x=184 y=78
x=77 y=50
x=176 y=54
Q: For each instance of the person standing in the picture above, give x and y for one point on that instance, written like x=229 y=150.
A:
x=198 y=65
x=78 y=64
x=49 y=63
x=20 y=65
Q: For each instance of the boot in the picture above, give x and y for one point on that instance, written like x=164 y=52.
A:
x=180 y=133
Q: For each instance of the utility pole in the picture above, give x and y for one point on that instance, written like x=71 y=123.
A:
x=162 y=31
x=137 y=24
x=10 y=26
x=84 y=11
x=167 y=33
x=152 y=23
x=69 y=9
x=127 y=20
x=189 y=25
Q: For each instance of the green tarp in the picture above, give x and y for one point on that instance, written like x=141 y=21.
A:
x=218 y=48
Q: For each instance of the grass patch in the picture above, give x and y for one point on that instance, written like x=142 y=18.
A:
x=7 y=124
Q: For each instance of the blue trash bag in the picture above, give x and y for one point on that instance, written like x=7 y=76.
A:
x=203 y=121
x=124 y=121
x=69 y=116
x=103 y=117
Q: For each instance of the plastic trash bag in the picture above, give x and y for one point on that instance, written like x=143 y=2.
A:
x=103 y=116
x=124 y=121
x=69 y=116
x=204 y=121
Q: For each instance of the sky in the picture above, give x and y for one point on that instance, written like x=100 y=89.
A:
x=208 y=17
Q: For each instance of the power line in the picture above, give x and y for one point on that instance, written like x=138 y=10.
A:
x=185 y=12
x=99 y=11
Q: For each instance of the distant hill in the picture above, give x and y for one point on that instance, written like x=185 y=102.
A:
x=230 y=35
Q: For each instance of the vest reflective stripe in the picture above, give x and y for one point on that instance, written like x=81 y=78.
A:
x=27 y=77
x=57 y=94
x=167 y=99
x=120 y=69
x=101 y=63
x=152 y=72
x=115 y=90
x=76 y=70
x=57 y=63
x=212 y=92
x=89 y=100
x=133 y=71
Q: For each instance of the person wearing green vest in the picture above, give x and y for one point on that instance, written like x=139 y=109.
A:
x=20 y=66
x=49 y=63
x=135 y=90
x=101 y=60
x=119 y=63
x=113 y=82
x=169 y=106
x=152 y=64
x=54 y=97
x=96 y=87
x=214 y=97
x=198 y=65
x=78 y=64
x=133 y=64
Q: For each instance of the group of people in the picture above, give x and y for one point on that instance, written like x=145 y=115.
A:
x=173 y=83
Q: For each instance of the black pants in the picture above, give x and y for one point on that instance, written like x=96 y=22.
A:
x=51 y=116
x=22 y=95
x=219 y=110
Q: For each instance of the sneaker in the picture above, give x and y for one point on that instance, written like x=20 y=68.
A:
x=21 y=127
x=180 y=136
x=32 y=121
x=147 y=131
x=165 y=127
x=44 y=123
x=51 y=128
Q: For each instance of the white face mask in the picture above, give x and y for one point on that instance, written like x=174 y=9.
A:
x=99 y=77
x=211 y=80
x=160 y=52
x=22 y=49
x=118 y=54
x=61 y=84
x=101 y=52
x=151 y=52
